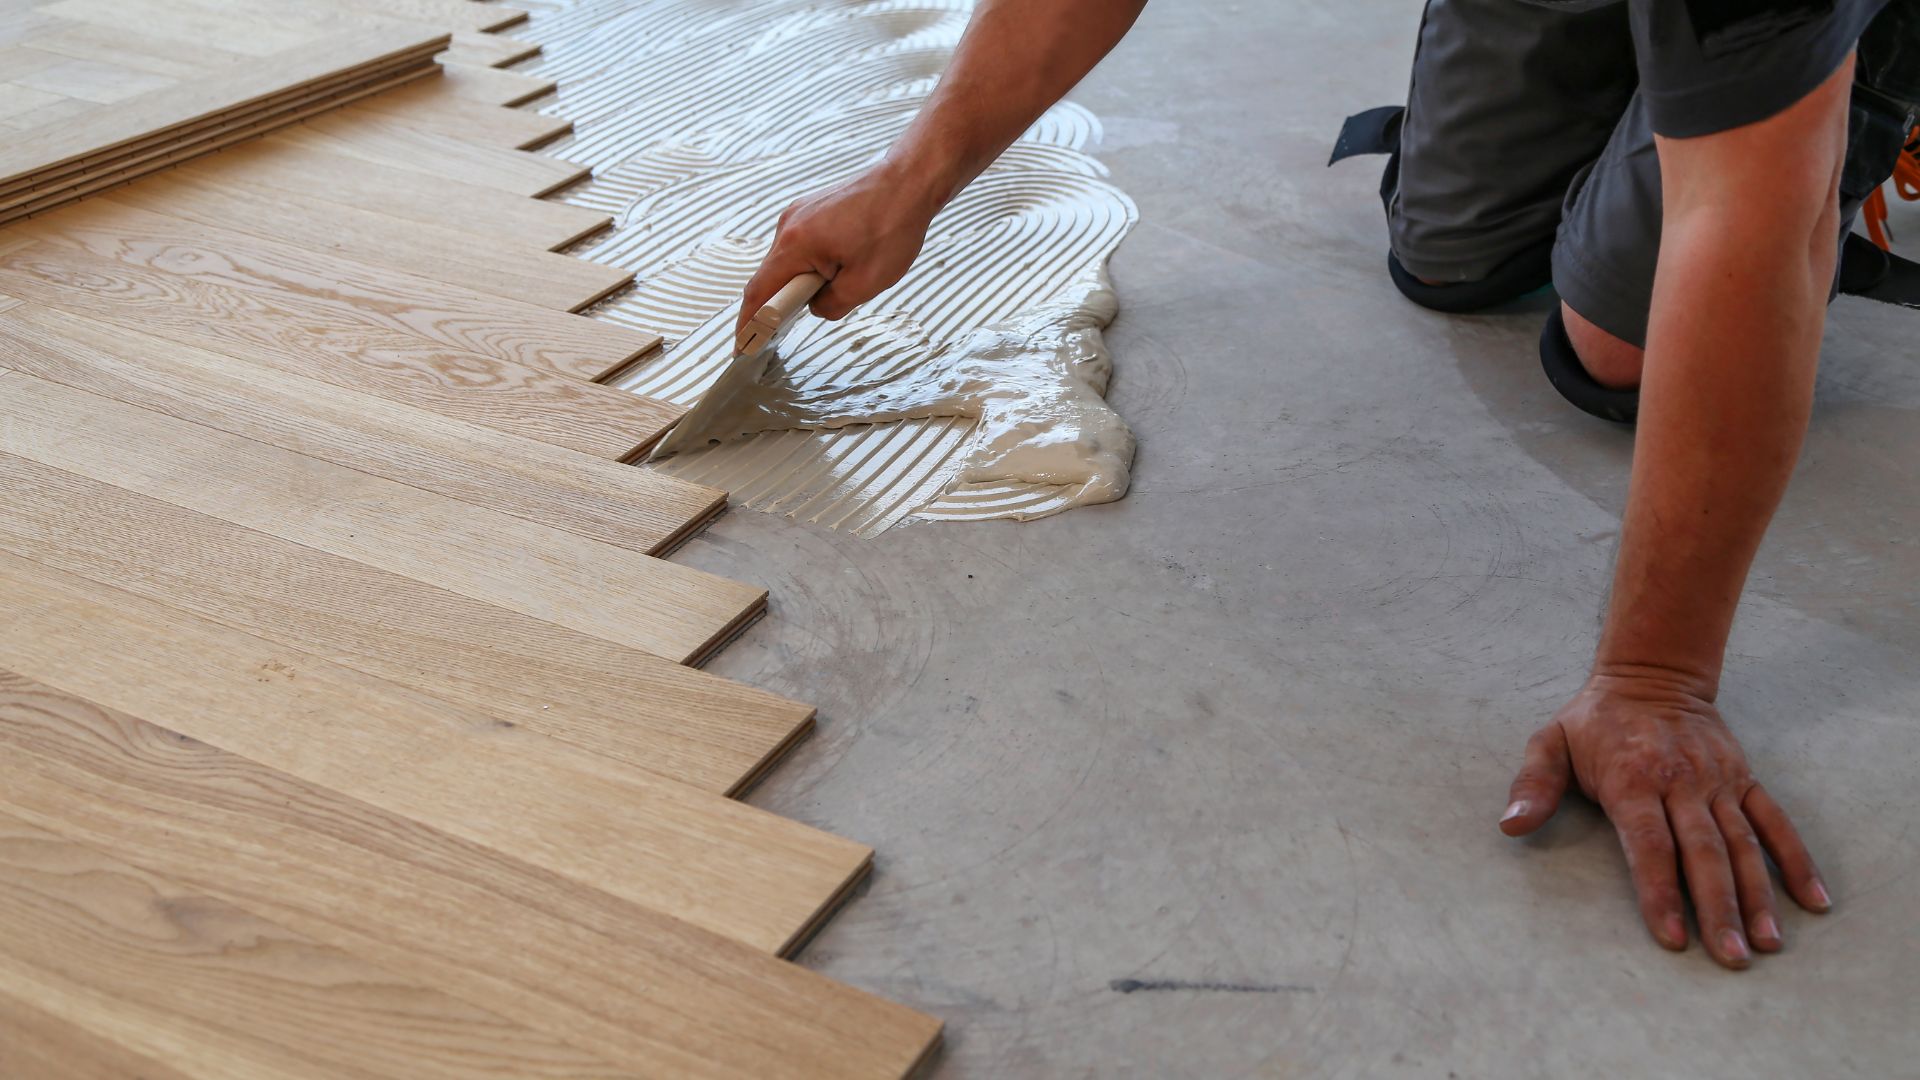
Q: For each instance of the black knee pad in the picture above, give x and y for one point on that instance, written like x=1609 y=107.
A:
x=1523 y=273
x=1570 y=377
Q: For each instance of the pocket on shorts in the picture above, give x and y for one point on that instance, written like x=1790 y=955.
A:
x=1725 y=27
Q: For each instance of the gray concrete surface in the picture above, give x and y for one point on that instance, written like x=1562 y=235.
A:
x=1252 y=726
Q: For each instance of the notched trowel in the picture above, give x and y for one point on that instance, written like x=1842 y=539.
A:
x=749 y=364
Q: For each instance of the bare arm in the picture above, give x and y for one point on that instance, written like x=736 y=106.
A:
x=1016 y=59
x=1747 y=253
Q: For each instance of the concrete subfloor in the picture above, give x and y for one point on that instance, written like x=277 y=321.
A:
x=1204 y=783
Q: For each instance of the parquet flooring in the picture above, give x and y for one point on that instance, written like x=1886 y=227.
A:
x=350 y=721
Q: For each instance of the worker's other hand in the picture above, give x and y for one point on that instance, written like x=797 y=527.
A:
x=1659 y=760
x=861 y=236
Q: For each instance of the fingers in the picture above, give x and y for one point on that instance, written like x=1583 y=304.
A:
x=1648 y=842
x=1542 y=780
x=1703 y=854
x=1782 y=841
x=1752 y=884
x=787 y=259
x=833 y=301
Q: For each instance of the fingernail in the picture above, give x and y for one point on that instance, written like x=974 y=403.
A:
x=1766 y=929
x=1676 y=932
x=1519 y=807
x=1733 y=945
x=1820 y=895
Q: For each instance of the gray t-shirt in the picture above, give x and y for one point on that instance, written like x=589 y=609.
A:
x=1710 y=65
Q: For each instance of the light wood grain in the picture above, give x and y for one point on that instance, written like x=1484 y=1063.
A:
x=111 y=174
x=471 y=208
x=619 y=703
x=138 y=49
x=379 y=138
x=434 y=105
x=288 y=333
x=185 y=104
x=638 y=509
x=526 y=274
x=192 y=981
x=35 y=1045
x=92 y=80
x=490 y=85
x=490 y=50
x=156 y=147
x=191 y=23
x=693 y=855
x=614 y=978
x=671 y=611
x=349 y=291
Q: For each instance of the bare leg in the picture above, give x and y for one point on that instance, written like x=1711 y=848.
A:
x=1613 y=363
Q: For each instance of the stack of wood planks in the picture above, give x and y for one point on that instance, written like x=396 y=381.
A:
x=348 y=717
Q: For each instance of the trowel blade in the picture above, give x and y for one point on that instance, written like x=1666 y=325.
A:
x=691 y=433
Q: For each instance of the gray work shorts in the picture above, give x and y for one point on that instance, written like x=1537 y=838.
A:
x=1532 y=122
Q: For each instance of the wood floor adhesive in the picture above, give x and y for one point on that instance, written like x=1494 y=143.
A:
x=975 y=388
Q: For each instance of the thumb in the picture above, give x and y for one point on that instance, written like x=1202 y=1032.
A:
x=1536 y=791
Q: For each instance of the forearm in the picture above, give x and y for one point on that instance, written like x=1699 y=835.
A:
x=1739 y=302
x=1016 y=59
x=1727 y=388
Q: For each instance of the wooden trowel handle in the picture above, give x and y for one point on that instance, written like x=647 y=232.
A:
x=776 y=313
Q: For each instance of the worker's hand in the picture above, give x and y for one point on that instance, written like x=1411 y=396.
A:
x=861 y=236
x=1657 y=757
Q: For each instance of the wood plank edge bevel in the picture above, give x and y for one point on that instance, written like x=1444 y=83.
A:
x=772 y=758
x=826 y=911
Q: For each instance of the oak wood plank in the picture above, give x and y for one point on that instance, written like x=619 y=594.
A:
x=195 y=982
x=351 y=291
x=471 y=208
x=187 y=103
x=490 y=50
x=491 y=86
x=138 y=49
x=619 y=703
x=35 y=1045
x=614 y=978
x=719 y=864
x=127 y=167
x=290 y=334
x=381 y=138
x=527 y=274
x=638 y=509
x=184 y=23
x=435 y=105
x=669 y=610
x=152 y=149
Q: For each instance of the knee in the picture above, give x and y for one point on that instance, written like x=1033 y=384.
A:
x=1613 y=362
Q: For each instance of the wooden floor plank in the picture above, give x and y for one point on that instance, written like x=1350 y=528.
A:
x=638 y=509
x=197 y=983
x=490 y=85
x=288 y=334
x=489 y=50
x=471 y=208
x=136 y=48
x=435 y=105
x=36 y=191
x=695 y=856
x=638 y=989
x=619 y=703
x=378 y=138
x=350 y=291
x=672 y=611
x=530 y=275
x=106 y=177
x=454 y=14
x=35 y=1045
x=44 y=149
